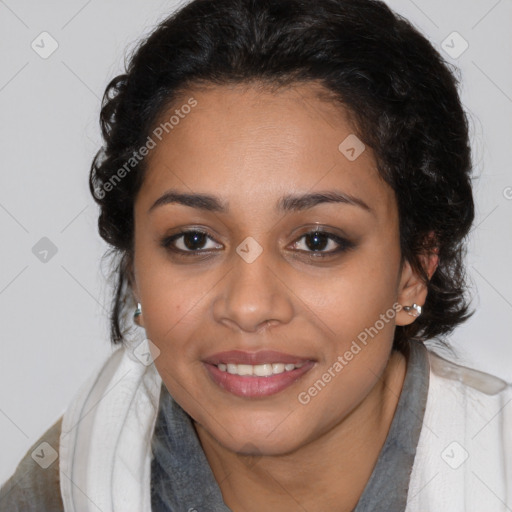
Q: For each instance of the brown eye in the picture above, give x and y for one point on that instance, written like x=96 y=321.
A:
x=190 y=242
x=322 y=243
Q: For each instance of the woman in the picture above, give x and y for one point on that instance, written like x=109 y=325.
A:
x=286 y=185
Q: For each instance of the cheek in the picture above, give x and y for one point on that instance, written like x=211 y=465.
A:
x=353 y=297
x=167 y=301
x=361 y=318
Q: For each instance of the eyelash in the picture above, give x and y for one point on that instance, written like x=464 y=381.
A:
x=344 y=245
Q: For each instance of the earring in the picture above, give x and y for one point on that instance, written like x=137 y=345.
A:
x=137 y=313
x=413 y=310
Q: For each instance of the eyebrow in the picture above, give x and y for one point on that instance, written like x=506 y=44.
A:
x=286 y=203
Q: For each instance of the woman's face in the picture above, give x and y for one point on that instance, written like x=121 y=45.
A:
x=254 y=309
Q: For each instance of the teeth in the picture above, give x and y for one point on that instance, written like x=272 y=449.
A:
x=258 y=370
x=244 y=369
x=277 y=368
x=262 y=370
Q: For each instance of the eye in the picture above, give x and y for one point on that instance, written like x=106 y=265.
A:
x=317 y=242
x=188 y=242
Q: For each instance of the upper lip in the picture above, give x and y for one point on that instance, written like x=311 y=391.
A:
x=253 y=358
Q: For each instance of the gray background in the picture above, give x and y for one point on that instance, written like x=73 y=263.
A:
x=55 y=313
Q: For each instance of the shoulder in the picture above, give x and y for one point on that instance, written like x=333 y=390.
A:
x=35 y=486
x=469 y=401
x=470 y=396
x=474 y=381
x=465 y=445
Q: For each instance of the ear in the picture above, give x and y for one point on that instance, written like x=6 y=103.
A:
x=412 y=288
x=132 y=282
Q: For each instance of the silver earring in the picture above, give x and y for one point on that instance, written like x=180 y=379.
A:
x=138 y=312
x=413 y=310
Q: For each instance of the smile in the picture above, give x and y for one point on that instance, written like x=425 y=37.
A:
x=255 y=374
x=258 y=370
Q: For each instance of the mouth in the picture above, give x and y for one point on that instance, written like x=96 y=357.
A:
x=256 y=374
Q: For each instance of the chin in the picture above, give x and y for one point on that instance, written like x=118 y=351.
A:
x=262 y=446
x=274 y=436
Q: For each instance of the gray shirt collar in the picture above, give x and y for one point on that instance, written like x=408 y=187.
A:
x=182 y=480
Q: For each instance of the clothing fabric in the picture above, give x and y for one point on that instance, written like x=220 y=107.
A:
x=463 y=457
x=182 y=479
x=33 y=488
x=105 y=448
x=464 y=454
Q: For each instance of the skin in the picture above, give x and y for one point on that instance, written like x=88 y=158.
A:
x=250 y=146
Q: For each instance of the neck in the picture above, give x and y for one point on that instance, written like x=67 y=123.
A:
x=310 y=478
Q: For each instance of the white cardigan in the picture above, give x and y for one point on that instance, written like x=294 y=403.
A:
x=464 y=456
x=463 y=461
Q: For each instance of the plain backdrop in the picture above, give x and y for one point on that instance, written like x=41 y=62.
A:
x=54 y=313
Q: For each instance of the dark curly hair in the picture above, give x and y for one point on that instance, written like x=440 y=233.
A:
x=401 y=95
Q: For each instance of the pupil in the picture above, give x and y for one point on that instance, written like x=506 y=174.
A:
x=317 y=239
x=196 y=237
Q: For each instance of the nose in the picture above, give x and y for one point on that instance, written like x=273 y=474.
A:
x=253 y=296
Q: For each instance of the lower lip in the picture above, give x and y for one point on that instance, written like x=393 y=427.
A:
x=250 y=387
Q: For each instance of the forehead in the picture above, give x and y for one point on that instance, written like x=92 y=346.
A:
x=247 y=141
